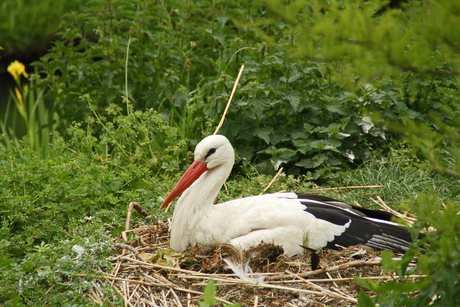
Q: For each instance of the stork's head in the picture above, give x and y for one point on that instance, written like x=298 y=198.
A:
x=213 y=151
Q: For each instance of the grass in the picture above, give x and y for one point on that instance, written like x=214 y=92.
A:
x=402 y=181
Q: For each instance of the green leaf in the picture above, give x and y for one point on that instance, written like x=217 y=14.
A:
x=295 y=76
x=264 y=133
x=336 y=108
x=313 y=162
x=364 y=300
x=326 y=144
x=210 y=293
x=294 y=99
x=366 y=283
x=387 y=262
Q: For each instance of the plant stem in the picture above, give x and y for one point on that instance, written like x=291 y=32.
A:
x=126 y=71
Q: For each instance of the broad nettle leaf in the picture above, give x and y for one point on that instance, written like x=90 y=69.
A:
x=294 y=77
x=326 y=144
x=336 y=107
x=302 y=145
x=278 y=152
x=264 y=133
x=257 y=106
x=294 y=99
x=314 y=162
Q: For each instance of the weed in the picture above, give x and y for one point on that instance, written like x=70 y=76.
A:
x=28 y=99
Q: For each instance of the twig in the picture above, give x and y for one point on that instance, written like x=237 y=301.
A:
x=177 y=298
x=162 y=279
x=344 y=279
x=443 y=204
x=330 y=277
x=255 y=284
x=121 y=294
x=351 y=187
x=134 y=292
x=328 y=292
x=115 y=271
x=95 y=297
x=271 y=286
x=126 y=246
x=439 y=168
x=163 y=296
x=340 y=267
x=273 y=180
x=382 y=204
x=177 y=288
x=230 y=99
x=154 y=265
x=125 y=295
x=132 y=205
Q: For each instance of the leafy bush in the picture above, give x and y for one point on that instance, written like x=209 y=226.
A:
x=51 y=204
x=65 y=186
x=438 y=264
x=142 y=138
x=166 y=69
x=360 y=40
x=286 y=111
x=62 y=272
x=55 y=208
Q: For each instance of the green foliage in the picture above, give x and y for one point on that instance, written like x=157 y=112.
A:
x=402 y=178
x=286 y=111
x=439 y=262
x=364 y=42
x=142 y=138
x=439 y=142
x=410 y=56
x=51 y=204
x=40 y=124
x=209 y=298
x=59 y=272
x=167 y=64
x=62 y=187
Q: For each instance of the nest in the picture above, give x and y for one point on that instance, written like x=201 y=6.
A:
x=148 y=273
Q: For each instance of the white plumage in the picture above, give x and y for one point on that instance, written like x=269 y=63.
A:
x=292 y=220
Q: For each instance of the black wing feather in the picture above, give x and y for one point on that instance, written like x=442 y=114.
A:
x=376 y=232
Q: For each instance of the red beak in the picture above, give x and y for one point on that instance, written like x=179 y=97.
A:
x=194 y=171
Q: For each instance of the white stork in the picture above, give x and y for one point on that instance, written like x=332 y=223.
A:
x=295 y=221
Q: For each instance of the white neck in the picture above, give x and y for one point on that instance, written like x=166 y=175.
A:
x=194 y=204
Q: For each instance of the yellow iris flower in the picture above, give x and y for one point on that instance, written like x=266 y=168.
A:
x=16 y=69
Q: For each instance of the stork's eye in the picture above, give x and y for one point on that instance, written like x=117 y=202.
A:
x=210 y=152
